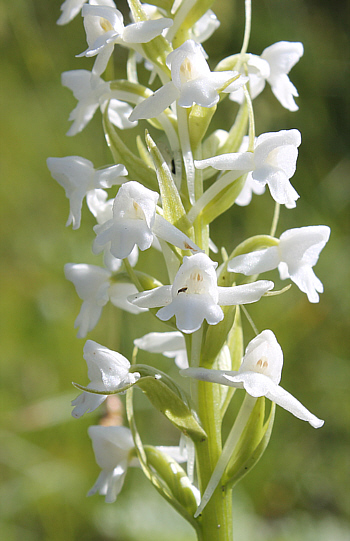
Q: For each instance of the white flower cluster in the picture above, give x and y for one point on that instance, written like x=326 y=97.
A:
x=174 y=219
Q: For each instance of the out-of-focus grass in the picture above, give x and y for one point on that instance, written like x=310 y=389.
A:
x=299 y=491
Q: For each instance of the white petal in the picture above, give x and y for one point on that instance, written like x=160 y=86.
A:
x=88 y=280
x=168 y=232
x=87 y=318
x=255 y=262
x=303 y=245
x=145 y=31
x=158 y=342
x=111 y=445
x=85 y=403
x=119 y=293
x=154 y=105
x=244 y=294
x=259 y=385
x=110 y=176
x=70 y=8
x=190 y=312
x=283 y=55
x=291 y=404
x=237 y=161
x=306 y=280
x=280 y=188
x=153 y=298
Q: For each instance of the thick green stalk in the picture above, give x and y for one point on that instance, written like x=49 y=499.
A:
x=216 y=517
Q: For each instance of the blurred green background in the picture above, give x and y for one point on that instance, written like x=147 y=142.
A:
x=300 y=489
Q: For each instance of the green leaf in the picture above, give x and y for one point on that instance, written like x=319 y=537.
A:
x=194 y=14
x=216 y=336
x=237 y=132
x=173 y=475
x=223 y=200
x=252 y=443
x=198 y=123
x=160 y=485
x=137 y=169
x=173 y=208
x=168 y=398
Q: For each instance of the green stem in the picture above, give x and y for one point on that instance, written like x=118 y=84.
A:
x=276 y=216
x=216 y=518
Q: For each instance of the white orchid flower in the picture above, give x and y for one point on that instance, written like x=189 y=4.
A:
x=296 y=253
x=78 y=176
x=95 y=287
x=273 y=66
x=135 y=222
x=195 y=295
x=108 y=371
x=192 y=82
x=273 y=162
x=113 y=446
x=259 y=374
x=170 y=344
x=92 y=93
x=104 y=28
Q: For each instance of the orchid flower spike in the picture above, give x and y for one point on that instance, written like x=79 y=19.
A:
x=273 y=162
x=259 y=374
x=92 y=92
x=192 y=82
x=296 y=253
x=107 y=371
x=78 y=177
x=170 y=344
x=273 y=66
x=135 y=222
x=195 y=295
x=104 y=28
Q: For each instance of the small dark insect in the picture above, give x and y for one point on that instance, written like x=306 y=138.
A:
x=173 y=169
x=182 y=290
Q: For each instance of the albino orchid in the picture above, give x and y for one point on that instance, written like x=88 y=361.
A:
x=93 y=93
x=259 y=374
x=273 y=162
x=107 y=371
x=170 y=344
x=295 y=254
x=104 y=28
x=195 y=295
x=78 y=177
x=135 y=222
x=273 y=66
x=192 y=82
